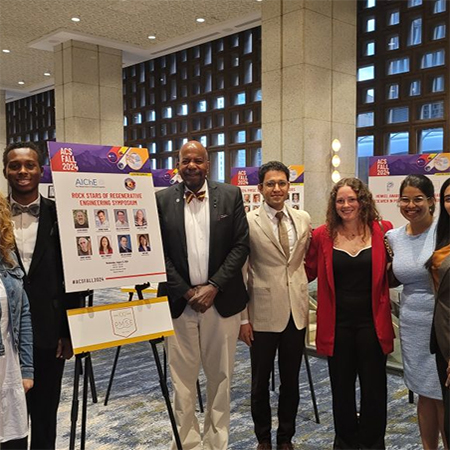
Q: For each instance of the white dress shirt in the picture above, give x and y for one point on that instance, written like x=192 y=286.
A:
x=292 y=233
x=25 y=232
x=196 y=226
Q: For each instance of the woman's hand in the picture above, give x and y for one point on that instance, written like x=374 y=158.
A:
x=27 y=384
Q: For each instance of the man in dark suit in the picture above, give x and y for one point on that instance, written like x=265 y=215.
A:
x=39 y=253
x=205 y=237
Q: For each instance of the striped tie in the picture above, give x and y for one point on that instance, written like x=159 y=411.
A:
x=200 y=196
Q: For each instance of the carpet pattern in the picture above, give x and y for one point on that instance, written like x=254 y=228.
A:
x=136 y=416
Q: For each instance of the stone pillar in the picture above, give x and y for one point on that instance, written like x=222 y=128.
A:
x=88 y=94
x=309 y=90
x=3 y=140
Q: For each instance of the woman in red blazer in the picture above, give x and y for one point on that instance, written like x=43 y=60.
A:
x=354 y=326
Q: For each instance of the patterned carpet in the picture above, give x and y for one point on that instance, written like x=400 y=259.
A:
x=136 y=416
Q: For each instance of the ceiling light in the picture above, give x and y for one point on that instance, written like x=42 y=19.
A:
x=47 y=74
x=75 y=19
x=259 y=0
x=152 y=37
x=200 y=19
x=5 y=50
x=21 y=82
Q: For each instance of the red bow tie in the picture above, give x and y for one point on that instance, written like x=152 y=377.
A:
x=200 y=196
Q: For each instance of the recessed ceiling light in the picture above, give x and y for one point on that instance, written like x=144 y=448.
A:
x=21 y=82
x=259 y=0
x=75 y=19
x=152 y=37
x=200 y=19
x=47 y=74
x=5 y=50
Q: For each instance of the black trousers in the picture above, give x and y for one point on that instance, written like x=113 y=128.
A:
x=442 y=372
x=16 y=444
x=290 y=344
x=43 y=398
x=357 y=352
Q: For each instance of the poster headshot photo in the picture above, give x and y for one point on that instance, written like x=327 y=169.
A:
x=140 y=217
x=256 y=198
x=80 y=218
x=295 y=197
x=143 y=243
x=121 y=217
x=84 y=246
x=124 y=242
x=104 y=245
x=246 y=198
x=101 y=218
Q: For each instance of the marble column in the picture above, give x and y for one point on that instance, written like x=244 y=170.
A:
x=88 y=94
x=3 y=140
x=309 y=90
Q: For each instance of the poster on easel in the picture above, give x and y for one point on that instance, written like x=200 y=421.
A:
x=386 y=174
x=107 y=216
x=246 y=178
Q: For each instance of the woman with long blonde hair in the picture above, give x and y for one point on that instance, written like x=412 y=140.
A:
x=16 y=341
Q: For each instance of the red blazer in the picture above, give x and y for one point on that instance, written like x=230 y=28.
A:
x=319 y=264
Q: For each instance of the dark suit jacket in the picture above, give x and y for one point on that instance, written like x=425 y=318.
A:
x=228 y=247
x=440 y=332
x=44 y=282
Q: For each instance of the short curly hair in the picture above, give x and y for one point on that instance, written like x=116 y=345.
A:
x=31 y=145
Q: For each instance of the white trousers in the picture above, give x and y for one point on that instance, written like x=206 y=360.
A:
x=208 y=339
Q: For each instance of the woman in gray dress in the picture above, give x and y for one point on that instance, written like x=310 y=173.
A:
x=413 y=244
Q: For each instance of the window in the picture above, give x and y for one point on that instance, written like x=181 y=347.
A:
x=439 y=32
x=364 y=147
x=365 y=119
x=439 y=6
x=393 y=91
x=394 y=17
x=415 y=32
x=370 y=24
x=433 y=59
x=370 y=3
x=433 y=110
x=370 y=48
x=366 y=73
x=414 y=88
x=438 y=84
x=412 y=3
x=399 y=65
x=369 y=95
x=398 y=115
x=431 y=140
x=397 y=143
x=394 y=42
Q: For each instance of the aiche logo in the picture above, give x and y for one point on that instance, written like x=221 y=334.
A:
x=89 y=182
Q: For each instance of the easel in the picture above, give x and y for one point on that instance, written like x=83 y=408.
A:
x=87 y=380
x=162 y=374
x=311 y=385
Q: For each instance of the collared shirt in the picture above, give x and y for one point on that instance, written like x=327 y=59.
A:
x=196 y=226
x=292 y=234
x=25 y=232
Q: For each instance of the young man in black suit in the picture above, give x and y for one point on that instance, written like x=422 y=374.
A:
x=205 y=237
x=39 y=253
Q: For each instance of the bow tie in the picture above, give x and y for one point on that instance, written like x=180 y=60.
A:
x=200 y=196
x=17 y=209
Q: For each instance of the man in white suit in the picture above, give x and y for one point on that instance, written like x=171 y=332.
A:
x=277 y=313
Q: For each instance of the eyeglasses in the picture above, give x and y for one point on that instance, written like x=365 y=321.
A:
x=350 y=201
x=272 y=184
x=418 y=201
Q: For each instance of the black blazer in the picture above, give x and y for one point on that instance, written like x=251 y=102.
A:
x=44 y=283
x=228 y=247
